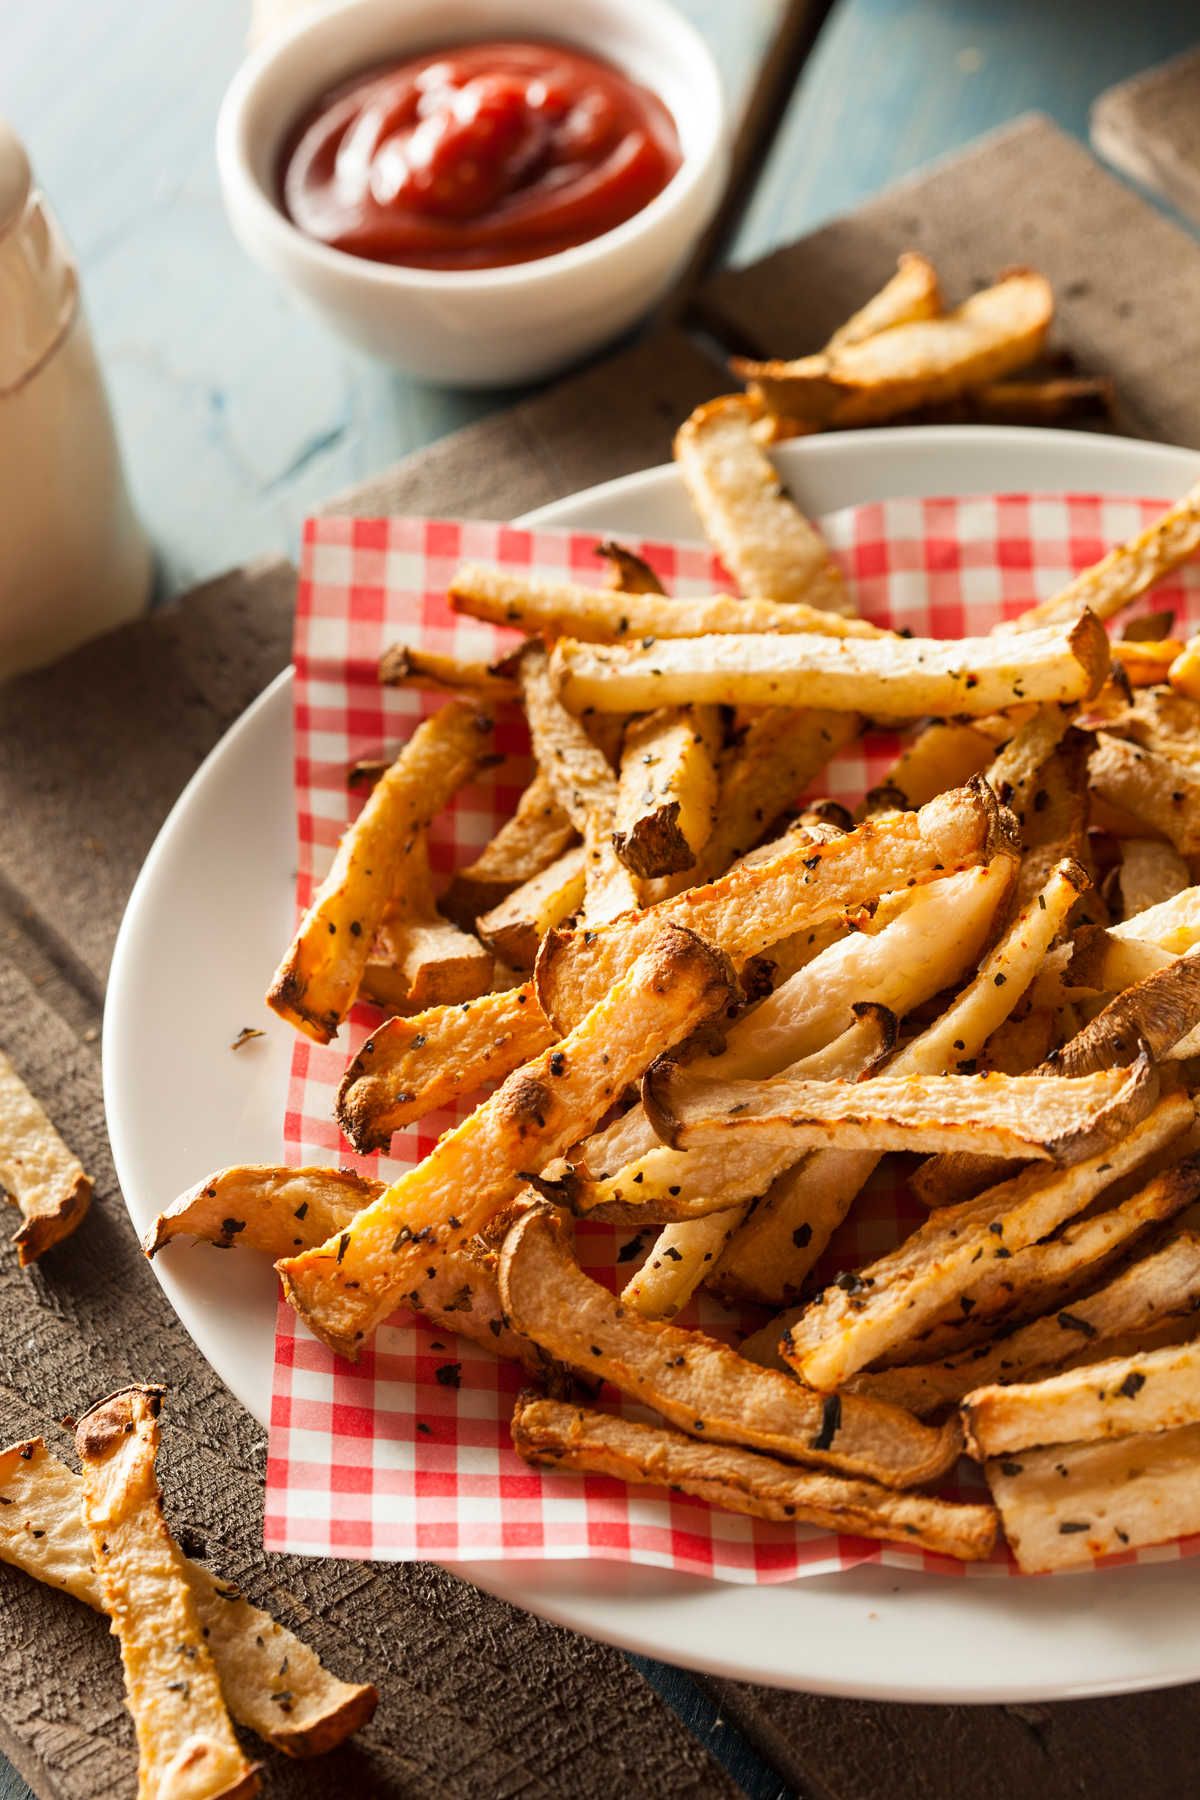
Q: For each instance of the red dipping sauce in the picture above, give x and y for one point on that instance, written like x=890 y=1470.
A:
x=477 y=156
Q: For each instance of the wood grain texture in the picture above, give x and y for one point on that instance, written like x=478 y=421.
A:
x=1149 y=128
x=1126 y=279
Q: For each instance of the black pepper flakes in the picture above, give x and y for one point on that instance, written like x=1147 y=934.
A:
x=831 y=1422
x=1132 y=1384
x=449 y=1374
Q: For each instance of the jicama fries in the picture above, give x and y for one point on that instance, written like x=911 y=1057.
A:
x=42 y=1178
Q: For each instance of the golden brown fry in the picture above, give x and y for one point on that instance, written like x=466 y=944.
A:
x=745 y=912
x=1127 y=571
x=405 y=665
x=317 y=981
x=762 y=537
x=886 y=678
x=1045 y=400
x=558 y=1436
x=1152 y=1390
x=701 y=1387
x=186 y=1743
x=44 y=1179
x=941 y=755
x=1146 y=664
x=600 y=615
x=1154 y=1014
x=419 y=959
x=911 y=293
x=345 y=1288
x=537 y=835
x=410 y=1067
x=257 y=1207
x=1163 y=1288
x=609 y=890
x=1162 y=795
x=627 y=572
x=1015 y=769
x=668 y=790
x=516 y=926
x=889 y=1302
x=1184 y=673
x=996 y=331
x=579 y=773
x=1172 y=924
x=1062 y=1506
x=1149 y=872
x=270 y=1680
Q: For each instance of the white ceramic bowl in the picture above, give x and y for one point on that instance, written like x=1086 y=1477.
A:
x=486 y=327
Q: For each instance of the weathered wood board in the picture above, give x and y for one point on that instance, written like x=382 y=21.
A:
x=1149 y=128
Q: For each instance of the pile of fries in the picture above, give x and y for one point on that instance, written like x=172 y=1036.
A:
x=695 y=1005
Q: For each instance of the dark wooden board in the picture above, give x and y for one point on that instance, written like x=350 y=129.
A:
x=1149 y=128
x=477 y=1699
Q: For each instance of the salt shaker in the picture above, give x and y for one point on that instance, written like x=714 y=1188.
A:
x=73 y=560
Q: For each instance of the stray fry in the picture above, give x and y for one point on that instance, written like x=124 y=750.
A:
x=44 y=1179
x=887 y=678
x=558 y=1436
x=270 y=1680
x=186 y=1743
x=317 y=981
x=700 y=1386
x=762 y=536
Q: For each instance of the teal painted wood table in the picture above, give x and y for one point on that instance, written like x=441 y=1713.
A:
x=239 y=414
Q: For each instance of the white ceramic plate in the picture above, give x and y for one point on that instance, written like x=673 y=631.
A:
x=215 y=897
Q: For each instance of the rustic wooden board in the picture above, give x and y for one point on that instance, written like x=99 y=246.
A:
x=1126 y=279
x=477 y=1699
x=1149 y=127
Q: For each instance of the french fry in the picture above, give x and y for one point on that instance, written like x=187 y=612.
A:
x=1159 y=719
x=667 y=792
x=941 y=755
x=1163 y=1288
x=883 y=677
x=317 y=981
x=609 y=889
x=925 y=362
x=405 y=665
x=1184 y=672
x=911 y=293
x=557 y=1436
x=1145 y=664
x=516 y=926
x=410 y=1067
x=1064 y=1505
x=42 y=1178
x=536 y=836
x=1014 y=770
x=1161 y=794
x=1127 y=571
x=600 y=615
x=1099 y=963
x=579 y=773
x=1157 y=1012
x=626 y=572
x=1153 y=1390
x=186 y=1743
x=793 y=1222
x=698 y=1385
x=346 y=1287
x=762 y=537
x=1047 y=400
x=1172 y=924
x=745 y=912
x=891 y=1300
x=270 y=1680
x=419 y=959
x=1149 y=872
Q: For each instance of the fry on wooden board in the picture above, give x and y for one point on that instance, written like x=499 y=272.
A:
x=42 y=1178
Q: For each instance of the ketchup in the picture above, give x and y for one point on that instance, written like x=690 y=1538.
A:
x=477 y=156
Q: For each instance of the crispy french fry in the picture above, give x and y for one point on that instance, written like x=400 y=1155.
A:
x=419 y=959
x=579 y=773
x=609 y=889
x=44 y=1179
x=1064 y=1505
x=1014 y=770
x=405 y=665
x=698 y=1385
x=1172 y=924
x=760 y=533
x=270 y=1680
x=1048 y=400
x=264 y=1208
x=1127 y=571
x=626 y=572
x=745 y=912
x=892 y=1299
x=186 y=1743
x=1145 y=664
x=1161 y=794
x=558 y=1436
x=1153 y=1390
x=792 y=1224
x=600 y=615
x=1163 y=1288
x=1099 y=963
x=927 y=361
x=668 y=790
x=1156 y=1013
x=888 y=679
x=516 y=926
x=1184 y=672
x=1149 y=872
x=317 y=981
x=911 y=293
x=346 y=1287
x=409 y=1067
x=537 y=835
x=941 y=755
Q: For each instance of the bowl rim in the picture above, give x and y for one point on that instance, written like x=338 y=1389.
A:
x=244 y=190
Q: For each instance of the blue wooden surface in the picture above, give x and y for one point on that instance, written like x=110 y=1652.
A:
x=238 y=413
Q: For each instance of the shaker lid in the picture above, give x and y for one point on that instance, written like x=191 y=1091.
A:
x=15 y=177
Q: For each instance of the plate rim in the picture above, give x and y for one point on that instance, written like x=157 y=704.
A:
x=505 y=1579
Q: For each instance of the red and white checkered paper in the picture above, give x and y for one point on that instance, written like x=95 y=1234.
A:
x=406 y=1454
